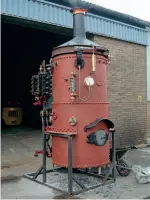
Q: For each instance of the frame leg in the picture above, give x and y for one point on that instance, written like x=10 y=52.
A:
x=114 y=156
x=70 y=165
x=42 y=169
x=106 y=177
x=38 y=172
x=44 y=158
x=78 y=182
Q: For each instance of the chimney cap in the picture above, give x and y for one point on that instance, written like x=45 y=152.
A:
x=78 y=10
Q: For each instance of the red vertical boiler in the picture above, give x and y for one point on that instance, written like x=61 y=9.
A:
x=80 y=106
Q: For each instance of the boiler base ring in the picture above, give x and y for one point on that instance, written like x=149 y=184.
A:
x=80 y=166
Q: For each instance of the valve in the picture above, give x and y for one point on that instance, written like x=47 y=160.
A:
x=34 y=85
x=41 y=84
x=37 y=102
x=48 y=84
x=79 y=60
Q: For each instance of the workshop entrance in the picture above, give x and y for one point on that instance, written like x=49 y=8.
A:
x=23 y=50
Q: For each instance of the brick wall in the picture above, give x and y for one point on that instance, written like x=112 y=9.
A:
x=148 y=119
x=126 y=82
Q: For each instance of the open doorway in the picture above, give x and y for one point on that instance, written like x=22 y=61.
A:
x=23 y=50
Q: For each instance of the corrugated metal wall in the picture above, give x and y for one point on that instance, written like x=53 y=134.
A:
x=49 y=13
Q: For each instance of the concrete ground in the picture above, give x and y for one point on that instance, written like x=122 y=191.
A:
x=18 y=146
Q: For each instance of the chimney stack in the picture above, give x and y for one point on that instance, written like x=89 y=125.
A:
x=79 y=22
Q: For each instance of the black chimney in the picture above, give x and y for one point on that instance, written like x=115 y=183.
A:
x=79 y=30
x=79 y=22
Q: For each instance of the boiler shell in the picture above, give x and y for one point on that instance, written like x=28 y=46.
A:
x=84 y=155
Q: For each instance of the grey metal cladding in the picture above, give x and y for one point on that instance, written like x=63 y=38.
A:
x=51 y=13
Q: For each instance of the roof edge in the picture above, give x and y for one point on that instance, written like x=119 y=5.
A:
x=104 y=12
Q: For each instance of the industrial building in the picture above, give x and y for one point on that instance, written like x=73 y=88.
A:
x=31 y=28
x=148 y=86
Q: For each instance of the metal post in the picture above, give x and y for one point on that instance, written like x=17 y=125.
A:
x=70 y=164
x=114 y=155
x=44 y=158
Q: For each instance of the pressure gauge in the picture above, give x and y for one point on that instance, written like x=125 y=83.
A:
x=89 y=81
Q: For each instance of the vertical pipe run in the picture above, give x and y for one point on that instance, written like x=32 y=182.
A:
x=114 y=155
x=70 y=164
x=44 y=158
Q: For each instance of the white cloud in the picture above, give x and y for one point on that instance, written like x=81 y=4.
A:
x=137 y=8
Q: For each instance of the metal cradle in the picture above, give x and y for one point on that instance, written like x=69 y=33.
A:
x=42 y=170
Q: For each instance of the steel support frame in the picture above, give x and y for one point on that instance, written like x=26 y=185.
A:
x=42 y=170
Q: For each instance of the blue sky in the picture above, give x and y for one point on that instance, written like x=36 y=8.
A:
x=136 y=8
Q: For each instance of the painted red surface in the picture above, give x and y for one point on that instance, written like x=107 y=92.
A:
x=84 y=155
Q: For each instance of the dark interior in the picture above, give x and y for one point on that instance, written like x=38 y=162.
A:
x=23 y=50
